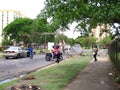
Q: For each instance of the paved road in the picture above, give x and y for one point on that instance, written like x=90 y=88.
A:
x=12 y=67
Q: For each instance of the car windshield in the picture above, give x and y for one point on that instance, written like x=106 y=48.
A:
x=12 y=48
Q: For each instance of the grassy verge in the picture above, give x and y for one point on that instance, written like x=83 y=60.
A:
x=3 y=86
x=58 y=75
x=1 y=56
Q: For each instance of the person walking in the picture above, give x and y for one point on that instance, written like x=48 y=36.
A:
x=31 y=52
x=95 y=51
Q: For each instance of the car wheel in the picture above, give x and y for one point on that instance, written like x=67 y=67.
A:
x=6 y=57
x=18 y=56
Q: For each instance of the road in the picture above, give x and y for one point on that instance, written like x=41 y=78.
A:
x=9 y=68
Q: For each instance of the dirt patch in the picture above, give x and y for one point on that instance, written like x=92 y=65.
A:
x=24 y=87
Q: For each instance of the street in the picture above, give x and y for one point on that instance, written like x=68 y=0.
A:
x=9 y=68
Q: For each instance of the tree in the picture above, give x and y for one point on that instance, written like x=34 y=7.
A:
x=18 y=30
x=71 y=41
x=29 y=31
x=86 y=42
x=42 y=31
x=88 y=13
x=106 y=41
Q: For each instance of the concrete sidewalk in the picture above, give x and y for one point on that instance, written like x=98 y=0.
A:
x=95 y=76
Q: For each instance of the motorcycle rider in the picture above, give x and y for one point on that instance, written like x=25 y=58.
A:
x=52 y=52
x=56 y=50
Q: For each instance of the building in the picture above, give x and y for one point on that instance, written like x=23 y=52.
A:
x=100 y=32
x=7 y=16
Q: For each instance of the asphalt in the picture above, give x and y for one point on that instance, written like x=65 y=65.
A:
x=95 y=76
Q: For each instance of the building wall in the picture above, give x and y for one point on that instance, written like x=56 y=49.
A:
x=7 y=16
x=98 y=32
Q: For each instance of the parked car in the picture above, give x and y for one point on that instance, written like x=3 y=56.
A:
x=15 y=52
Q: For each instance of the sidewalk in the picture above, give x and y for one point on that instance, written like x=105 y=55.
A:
x=96 y=76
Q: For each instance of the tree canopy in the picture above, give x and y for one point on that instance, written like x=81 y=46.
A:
x=87 y=13
x=86 y=42
x=37 y=31
x=18 y=30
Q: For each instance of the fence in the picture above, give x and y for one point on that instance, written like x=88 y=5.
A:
x=114 y=53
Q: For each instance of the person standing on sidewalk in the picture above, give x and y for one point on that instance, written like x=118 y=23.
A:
x=95 y=51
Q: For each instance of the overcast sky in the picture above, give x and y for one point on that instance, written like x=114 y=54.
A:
x=30 y=8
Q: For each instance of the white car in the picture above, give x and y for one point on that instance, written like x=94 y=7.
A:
x=15 y=52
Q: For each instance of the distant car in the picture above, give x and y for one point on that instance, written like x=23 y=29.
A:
x=15 y=52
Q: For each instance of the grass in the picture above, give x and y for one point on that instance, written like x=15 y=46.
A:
x=3 y=86
x=1 y=56
x=57 y=76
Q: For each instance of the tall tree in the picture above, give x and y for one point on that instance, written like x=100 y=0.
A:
x=86 y=42
x=18 y=30
x=42 y=31
x=88 y=13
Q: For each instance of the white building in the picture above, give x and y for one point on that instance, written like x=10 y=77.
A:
x=7 y=16
x=98 y=32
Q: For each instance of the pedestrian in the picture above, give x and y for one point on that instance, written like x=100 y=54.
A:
x=30 y=48
x=95 y=51
x=56 y=50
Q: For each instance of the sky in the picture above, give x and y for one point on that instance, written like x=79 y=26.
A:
x=71 y=33
x=30 y=8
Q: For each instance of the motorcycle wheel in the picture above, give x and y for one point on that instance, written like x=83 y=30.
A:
x=48 y=58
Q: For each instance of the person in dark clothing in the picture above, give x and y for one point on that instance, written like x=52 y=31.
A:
x=56 y=50
x=95 y=51
x=31 y=52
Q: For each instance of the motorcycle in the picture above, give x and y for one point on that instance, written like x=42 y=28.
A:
x=48 y=56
